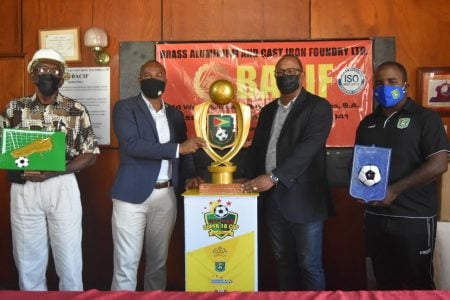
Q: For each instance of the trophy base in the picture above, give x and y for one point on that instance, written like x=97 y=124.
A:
x=222 y=174
x=219 y=188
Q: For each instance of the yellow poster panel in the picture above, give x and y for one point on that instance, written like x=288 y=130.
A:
x=225 y=266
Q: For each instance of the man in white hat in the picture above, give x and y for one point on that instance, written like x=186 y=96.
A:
x=45 y=205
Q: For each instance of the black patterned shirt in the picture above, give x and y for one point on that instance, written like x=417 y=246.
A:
x=65 y=114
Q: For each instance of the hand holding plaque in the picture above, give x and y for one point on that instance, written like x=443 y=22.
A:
x=222 y=130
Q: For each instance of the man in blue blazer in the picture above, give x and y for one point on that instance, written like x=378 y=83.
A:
x=153 y=155
x=287 y=161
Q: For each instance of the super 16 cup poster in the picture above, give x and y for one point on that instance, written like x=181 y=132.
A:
x=221 y=237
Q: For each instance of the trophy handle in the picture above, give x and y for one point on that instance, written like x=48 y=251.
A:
x=243 y=117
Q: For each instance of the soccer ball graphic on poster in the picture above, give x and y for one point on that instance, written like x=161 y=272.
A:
x=221 y=134
x=221 y=211
x=369 y=175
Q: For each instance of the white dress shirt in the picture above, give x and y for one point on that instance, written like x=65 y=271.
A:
x=162 y=127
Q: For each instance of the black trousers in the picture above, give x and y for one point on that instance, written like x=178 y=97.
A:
x=401 y=250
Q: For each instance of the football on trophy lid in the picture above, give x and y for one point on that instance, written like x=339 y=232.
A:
x=221 y=92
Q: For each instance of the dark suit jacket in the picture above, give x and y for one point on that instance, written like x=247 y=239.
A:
x=140 y=150
x=302 y=194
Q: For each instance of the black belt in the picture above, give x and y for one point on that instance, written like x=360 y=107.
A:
x=163 y=184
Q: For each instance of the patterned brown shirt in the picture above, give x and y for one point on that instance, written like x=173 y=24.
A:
x=66 y=115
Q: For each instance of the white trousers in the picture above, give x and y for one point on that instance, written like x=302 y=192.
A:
x=135 y=225
x=47 y=214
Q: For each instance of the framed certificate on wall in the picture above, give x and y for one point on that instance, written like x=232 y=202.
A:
x=64 y=40
x=433 y=87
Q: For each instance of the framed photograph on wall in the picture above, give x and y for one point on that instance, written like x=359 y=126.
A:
x=433 y=87
x=64 y=40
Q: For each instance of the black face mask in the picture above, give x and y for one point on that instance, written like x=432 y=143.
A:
x=152 y=88
x=287 y=83
x=47 y=84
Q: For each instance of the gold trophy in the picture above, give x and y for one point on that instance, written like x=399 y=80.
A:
x=222 y=131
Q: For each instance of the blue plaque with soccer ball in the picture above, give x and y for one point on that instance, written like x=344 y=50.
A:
x=370 y=172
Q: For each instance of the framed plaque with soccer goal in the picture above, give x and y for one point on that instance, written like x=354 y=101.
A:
x=23 y=149
x=370 y=172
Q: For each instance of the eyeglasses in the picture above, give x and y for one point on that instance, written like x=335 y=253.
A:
x=48 y=70
x=290 y=71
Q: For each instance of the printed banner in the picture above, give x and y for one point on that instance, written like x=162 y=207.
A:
x=220 y=242
x=91 y=87
x=338 y=70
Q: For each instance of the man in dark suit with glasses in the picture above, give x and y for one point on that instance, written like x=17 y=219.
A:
x=287 y=161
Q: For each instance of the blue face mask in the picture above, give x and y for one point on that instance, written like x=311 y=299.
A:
x=389 y=95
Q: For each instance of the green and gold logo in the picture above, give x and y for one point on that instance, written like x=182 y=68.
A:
x=395 y=94
x=219 y=266
x=403 y=123
x=219 y=220
x=221 y=130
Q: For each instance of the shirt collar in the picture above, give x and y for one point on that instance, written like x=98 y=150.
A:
x=147 y=102
x=35 y=100
x=289 y=105
x=408 y=106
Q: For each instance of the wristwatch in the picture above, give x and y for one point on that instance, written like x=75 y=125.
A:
x=274 y=178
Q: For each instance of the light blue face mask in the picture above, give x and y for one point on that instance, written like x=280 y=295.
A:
x=389 y=95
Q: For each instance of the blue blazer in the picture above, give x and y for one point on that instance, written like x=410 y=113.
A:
x=302 y=194
x=140 y=150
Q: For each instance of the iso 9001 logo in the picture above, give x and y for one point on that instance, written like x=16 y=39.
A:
x=351 y=80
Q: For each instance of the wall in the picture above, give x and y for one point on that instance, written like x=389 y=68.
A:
x=416 y=25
